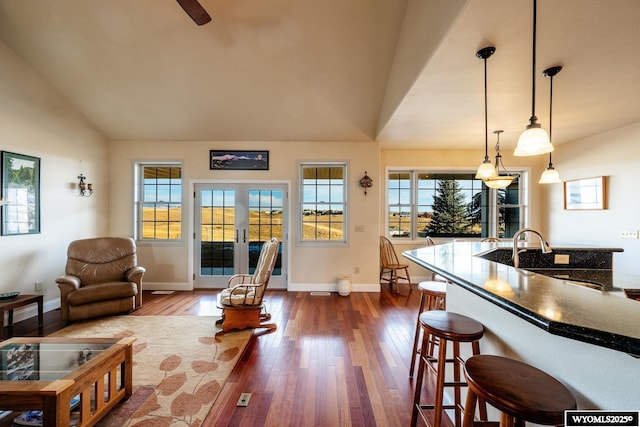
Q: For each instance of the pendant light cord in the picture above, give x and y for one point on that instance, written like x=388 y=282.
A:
x=551 y=72
x=550 y=114
x=486 y=132
x=533 y=67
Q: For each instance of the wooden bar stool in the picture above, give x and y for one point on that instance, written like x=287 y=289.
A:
x=433 y=296
x=445 y=326
x=520 y=391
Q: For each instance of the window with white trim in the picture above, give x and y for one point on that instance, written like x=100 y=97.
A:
x=159 y=202
x=421 y=203
x=323 y=202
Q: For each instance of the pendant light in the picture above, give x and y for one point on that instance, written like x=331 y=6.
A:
x=486 y=169
x=498 y=180
x=534 y=140
x=550 y=175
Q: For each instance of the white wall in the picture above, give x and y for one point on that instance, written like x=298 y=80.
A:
x=37 y=121
x=616 y=155
x=311 y=268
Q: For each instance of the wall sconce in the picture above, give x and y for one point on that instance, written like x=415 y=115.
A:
x=365 y=182
x=86 y=190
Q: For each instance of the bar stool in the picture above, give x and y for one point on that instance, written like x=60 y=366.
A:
x=445 y=326
x=433 y=296
x=520 y=391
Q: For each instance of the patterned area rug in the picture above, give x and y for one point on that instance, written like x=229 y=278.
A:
x=179 y=366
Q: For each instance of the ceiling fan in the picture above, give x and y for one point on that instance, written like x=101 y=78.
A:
x=195 y=11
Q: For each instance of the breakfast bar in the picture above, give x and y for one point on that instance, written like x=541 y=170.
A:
x=572 y=321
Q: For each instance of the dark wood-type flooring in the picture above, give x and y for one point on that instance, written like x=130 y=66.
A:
x=333 y=361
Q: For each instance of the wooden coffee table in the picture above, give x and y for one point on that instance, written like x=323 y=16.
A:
x=46 y=373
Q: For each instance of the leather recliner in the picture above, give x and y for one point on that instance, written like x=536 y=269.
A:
x=101 y=278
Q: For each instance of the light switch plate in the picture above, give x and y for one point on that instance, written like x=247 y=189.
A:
x=561 y=259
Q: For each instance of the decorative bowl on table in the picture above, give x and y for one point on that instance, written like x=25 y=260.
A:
x=9 y=296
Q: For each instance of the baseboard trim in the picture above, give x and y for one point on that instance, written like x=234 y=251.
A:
x=166 y=286
x=331 y=287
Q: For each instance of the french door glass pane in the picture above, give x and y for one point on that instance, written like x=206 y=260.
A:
x=217 y=218
x=265 y=221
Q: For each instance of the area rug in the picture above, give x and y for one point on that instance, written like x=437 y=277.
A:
x=179 y=366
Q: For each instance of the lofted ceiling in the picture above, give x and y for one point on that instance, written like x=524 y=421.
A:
x=402 y=72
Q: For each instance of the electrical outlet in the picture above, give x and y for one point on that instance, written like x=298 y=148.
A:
x=630 y=234
x=38 y=286
x=561 y=259
x=356 y=270
x=244 y=399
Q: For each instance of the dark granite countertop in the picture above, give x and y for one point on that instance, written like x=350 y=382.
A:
x=596 y=315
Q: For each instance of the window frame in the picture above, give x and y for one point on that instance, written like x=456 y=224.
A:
x=345 y=198
x=493 y=207
x=139 y=201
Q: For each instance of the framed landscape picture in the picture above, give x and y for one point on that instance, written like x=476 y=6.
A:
x=20 y=194
x=584 y=194
x=238 y=160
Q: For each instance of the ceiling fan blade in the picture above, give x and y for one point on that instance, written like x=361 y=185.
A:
x=195 y=11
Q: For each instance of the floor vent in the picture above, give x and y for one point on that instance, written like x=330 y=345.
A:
x=320 y=294
x=162 y=292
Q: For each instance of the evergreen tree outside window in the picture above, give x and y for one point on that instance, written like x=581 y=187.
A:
x=450 y=211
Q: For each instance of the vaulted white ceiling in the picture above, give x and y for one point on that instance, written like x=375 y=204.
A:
x=403 y=72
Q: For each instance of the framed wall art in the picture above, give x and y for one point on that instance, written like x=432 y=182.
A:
x=20 y=194
x=238 y=160
x=585 y=194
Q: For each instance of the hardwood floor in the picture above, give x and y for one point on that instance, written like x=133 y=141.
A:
x=333 y=361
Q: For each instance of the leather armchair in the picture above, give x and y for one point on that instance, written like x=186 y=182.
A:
x=101 y=278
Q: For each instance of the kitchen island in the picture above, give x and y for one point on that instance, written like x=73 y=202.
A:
x=587 y=337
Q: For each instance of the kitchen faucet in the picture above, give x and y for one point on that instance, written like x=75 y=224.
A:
x=546 y=249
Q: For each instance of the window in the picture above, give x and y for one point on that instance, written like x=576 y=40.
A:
x=323 y=201
x=160 y=202
x=441 y=204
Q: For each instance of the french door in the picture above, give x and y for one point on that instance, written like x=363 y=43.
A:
x=232 y=221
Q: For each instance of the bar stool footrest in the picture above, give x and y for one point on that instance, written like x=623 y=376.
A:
x=431 y=407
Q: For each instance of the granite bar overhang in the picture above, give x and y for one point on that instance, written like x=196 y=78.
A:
x=560 y=306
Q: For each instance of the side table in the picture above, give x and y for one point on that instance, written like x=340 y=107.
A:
x=20 y=301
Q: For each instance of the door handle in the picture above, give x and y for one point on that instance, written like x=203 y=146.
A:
x=244 y=236
x=236 y=235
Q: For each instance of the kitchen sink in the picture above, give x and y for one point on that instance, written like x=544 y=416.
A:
x=578 y=271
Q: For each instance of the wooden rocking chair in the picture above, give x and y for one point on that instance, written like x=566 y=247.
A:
x=390 y=265
x=241 y=302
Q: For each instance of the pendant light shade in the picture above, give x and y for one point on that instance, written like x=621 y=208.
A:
x=486 y=169
x=534 y=140
x=501 y=178
x=499 y=182
x=550 y=175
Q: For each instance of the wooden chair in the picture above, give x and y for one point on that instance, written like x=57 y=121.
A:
x=389 y=265
x=242 y=301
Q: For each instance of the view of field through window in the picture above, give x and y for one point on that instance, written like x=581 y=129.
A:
x=323 y=202
x=161 y=217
